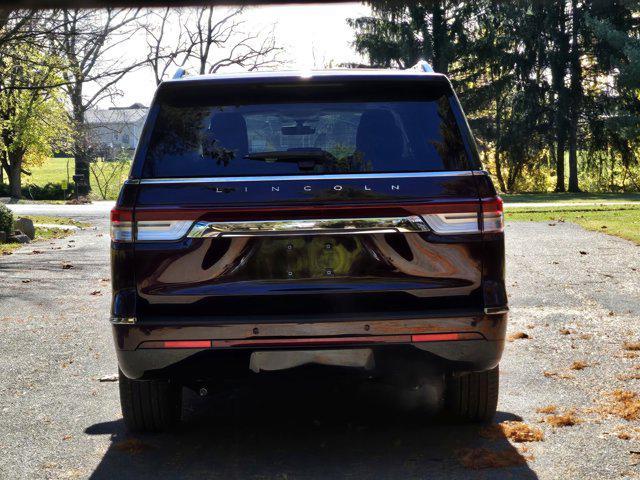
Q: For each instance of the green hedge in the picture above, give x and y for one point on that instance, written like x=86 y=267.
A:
x=6 y=220
x=50 y=191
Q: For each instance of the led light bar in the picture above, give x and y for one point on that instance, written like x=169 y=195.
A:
x=442 y=219
x=161 y=230
x=489 y=219
x=121 y=225
x=493 y=215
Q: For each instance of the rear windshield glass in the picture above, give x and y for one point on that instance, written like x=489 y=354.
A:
x=305 y=138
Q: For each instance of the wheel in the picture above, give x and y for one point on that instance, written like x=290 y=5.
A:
x=472 y=397
x=149 y=405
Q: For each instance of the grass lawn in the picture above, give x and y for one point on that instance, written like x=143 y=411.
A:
x=56 y=220
x=621 y=221
x=570 y=197
x=45 y=233
x=53 y=170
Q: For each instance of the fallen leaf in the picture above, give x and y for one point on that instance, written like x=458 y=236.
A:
x=131 y=445
x=564 y=376
x=548 y=409
x=566 y=419
x=481 y=458
x=517 y=336
x=66 y=266
x=516 y=431
x=565 y=331
x=621 y=403
x=631 y=346
x=578 y=365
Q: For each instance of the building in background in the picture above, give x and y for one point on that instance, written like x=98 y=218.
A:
x=117 y=128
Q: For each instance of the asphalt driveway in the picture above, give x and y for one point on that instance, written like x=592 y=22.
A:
x=574 y=293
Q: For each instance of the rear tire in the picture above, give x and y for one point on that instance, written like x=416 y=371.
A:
x=473 y=397
x=150 y=405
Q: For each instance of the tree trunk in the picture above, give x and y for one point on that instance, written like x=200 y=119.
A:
x=575 y=98
x=560 y=165
x=498 y=163
x=573 y=163
x=82 y=168
x=15 y=175
x=80 y=141
x=498 y=160
x=559 y=60
x=440 y=39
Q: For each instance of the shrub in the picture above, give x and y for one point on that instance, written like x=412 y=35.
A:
x=6 y=220
x=50 y=191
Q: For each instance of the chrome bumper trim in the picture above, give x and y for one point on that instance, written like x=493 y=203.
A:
x=323 y=226
x=496 y=310
x=123 y=320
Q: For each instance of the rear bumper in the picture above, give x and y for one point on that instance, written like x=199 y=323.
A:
x=142 y=351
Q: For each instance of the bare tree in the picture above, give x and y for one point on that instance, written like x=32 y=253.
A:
x=27 y=31
x=168 y=43
x=14 y=25
x=222 y=42
x=207 y=39
x=87 y=42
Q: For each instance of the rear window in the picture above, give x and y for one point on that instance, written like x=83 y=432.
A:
x=305 y=137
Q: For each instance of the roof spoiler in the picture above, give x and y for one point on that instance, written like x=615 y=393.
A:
x=423 y=66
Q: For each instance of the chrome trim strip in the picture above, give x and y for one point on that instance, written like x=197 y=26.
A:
x=452 y=223
x=323 y=226
x=123 y=320
x=161 y=230
x=283 y=178
x=496 y=310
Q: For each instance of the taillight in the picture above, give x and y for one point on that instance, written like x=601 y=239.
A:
x=452 y=223
x=463 y=219
x=123 y=229
x=161 y=230
x=492 y=215
x=121 y=225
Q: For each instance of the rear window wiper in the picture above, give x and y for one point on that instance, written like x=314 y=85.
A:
x=306 y=159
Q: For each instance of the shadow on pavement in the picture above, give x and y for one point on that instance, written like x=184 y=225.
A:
x=303 y=428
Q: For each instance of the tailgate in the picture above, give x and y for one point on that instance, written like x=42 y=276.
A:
x=329 y=195
x=410 y=242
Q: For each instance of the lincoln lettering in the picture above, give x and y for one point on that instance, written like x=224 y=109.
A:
x=306 y=188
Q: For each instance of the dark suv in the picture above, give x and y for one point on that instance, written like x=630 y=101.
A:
x=276 y=220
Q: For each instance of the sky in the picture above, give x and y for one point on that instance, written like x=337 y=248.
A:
x=312 y=37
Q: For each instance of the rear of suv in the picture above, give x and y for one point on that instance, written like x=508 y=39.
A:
x=277 y=220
